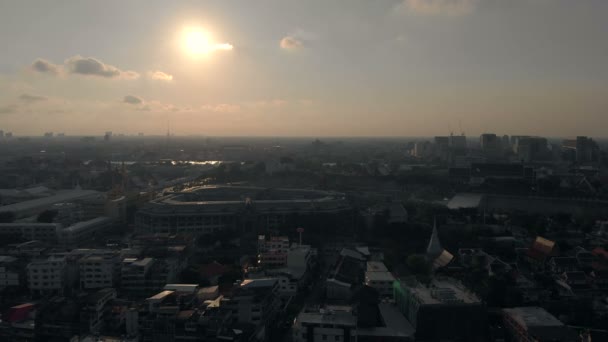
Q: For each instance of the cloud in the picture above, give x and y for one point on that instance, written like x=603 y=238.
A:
x=159 y=75
x=94 y=67
x=44 y=66
x=440 y=7
x=8 y=109
x=291 y=43
x=222 y=108
x=270 y=103
x=134 y=100
x=27 y=98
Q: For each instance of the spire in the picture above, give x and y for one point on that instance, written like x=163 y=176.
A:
x=434 y=248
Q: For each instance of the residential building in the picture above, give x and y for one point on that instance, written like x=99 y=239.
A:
x=99 y=270
x=47 y=275
x=11 y=272
x=272 y=251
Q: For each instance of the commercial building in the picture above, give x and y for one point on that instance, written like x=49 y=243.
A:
x=35 y=206
x=84 y=230
x=536 y=324
x=57 y=232
x=444 y=309
x=206 y=210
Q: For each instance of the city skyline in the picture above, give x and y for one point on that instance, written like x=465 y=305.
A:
x=293 y=68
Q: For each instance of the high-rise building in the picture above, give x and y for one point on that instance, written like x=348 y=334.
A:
x=587 y=150
x=532 y=149
x=491 y=145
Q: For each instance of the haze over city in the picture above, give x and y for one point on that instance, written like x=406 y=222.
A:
x=304 y=68
x=304 y=171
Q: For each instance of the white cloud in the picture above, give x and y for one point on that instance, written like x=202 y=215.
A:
x=291 y=43
x=159 y=75
x=440 y=7
x=222 y=108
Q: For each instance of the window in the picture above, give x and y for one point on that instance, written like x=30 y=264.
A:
x=324 y=337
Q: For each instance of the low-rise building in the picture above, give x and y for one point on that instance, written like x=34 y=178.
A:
x=378 y=277
x=272 y=251
x=47 y=275
x=99 y=270
x=536 y=324
x=444 y=309
x=254 y=301
x=11 y=272
x=325 y=324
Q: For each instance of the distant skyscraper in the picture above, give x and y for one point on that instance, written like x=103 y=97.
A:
x=1 y=133
x=491 y=145
x=107 y=136
x=458 y=144
x=587 y=150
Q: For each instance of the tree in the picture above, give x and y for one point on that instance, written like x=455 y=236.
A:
x=418 y=265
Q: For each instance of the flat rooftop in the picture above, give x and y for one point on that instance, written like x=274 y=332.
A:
x=379 y=276
x=394 y=324
x=327 y=317
x=376 y=266
x=530 y=316
x=444 y=291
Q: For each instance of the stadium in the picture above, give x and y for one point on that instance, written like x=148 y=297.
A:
x=209 y=209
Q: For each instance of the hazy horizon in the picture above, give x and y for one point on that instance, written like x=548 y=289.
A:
x=281 y=68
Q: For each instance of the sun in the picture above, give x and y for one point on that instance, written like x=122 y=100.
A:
x=199 y=42
x=196 y=42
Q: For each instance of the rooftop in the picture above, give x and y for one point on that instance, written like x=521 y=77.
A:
x=444 y=291
x=258 y=283
x=465 y=201
x=61 y=196
x=379 y=276
x=531 y=316
x=376 y=266
x=327 y=317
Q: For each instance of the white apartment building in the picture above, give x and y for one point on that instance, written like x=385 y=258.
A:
x=378 y=277
x=99 y=271
x=48 y=275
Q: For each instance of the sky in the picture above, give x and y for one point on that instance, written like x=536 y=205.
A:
x=305 y=67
